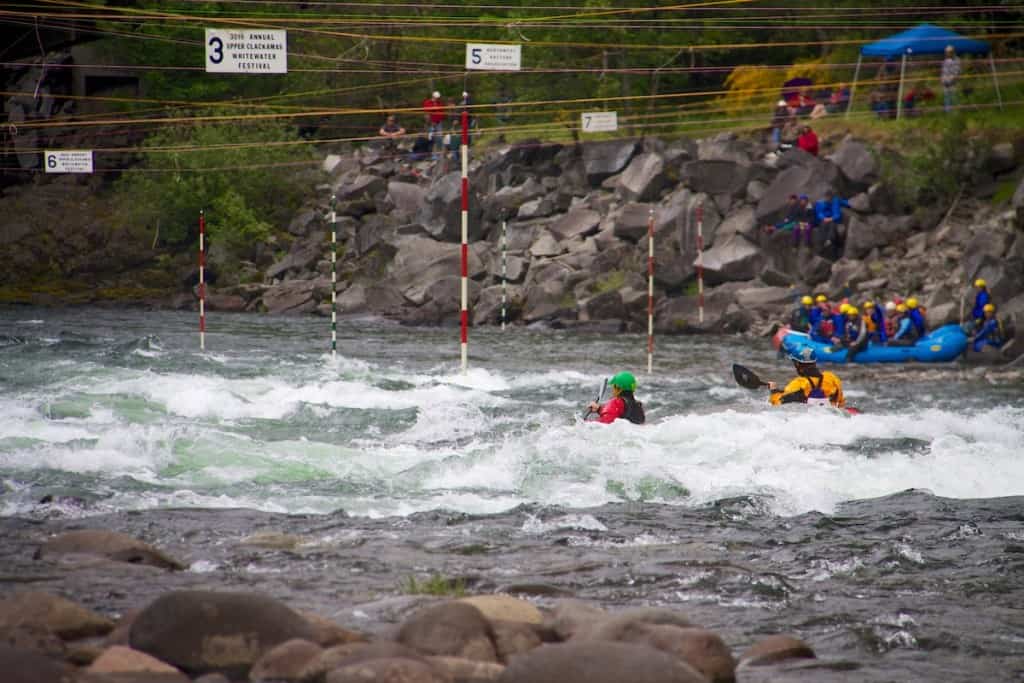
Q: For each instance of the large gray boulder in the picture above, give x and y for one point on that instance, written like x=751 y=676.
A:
x=753 y=297
x=631 y=221
x=1005 y=279
x=205 y=632
x=742 y=221
x=407 y=198
x=604 y=306
x=290 y=297
x=303 y=256
x=717 y=177
x=675 y=235
x=376 y=298
x=724 y=147
x=508 y=198
x=865 y=234
x=985 y=244
x=442 y=212
x=579 y=222
x=487 y=310
x=732 y=259
x=361 y=187
x=420 y=263
x=602 y=160
x=644 y=178
x=109 y=544
x=856 y=161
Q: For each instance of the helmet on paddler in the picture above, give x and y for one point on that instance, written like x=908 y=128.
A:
x=806 y=301
x=623 y=381
x=804 y=356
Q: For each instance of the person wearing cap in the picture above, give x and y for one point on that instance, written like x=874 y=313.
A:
x=828 y=214
x=811 y=385
x=982 y=298
x=990 y=332
x=839 y=323
x=804 y=221
x=948 y=77
x=434 y=114
x=906 y=334
x=623 y=403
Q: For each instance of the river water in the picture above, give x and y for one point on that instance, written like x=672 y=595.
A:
x=894 y=539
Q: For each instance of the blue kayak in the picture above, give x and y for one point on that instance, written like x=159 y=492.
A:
x=938 y=346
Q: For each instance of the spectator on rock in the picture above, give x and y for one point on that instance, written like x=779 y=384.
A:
x=839 y=99
x=804 y=221
x=790 y=131
x=434 y=114
x=948 y=77
x=789 y=217
x=828 y=215
x=779 y=117
x=808 y=141
x=391 y=130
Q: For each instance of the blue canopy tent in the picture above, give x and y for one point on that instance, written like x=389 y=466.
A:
x=923 y=39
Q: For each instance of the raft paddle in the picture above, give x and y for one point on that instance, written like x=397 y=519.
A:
x=604 y=385
x=747 y=378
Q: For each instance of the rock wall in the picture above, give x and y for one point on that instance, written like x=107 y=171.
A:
x=577 y=220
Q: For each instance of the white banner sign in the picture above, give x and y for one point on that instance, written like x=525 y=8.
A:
x=488 y=57
x=599 y=121
x=246 y=51
x=68 y=160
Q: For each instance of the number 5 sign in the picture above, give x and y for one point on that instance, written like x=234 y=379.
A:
x=489 y=57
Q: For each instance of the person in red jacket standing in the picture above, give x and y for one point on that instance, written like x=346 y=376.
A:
x=435 y=114
x=808 y=141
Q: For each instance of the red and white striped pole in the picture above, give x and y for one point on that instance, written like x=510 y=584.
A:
x=464 y=314
x=700 y=263
x=202 y=280
x=650 y=291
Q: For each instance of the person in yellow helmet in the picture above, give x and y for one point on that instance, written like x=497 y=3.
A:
x=906 y=333
x=821 y=320
x=990 y=332
x=811 y=385
x=917 y=319
x=856 y=334
x=981 y=299
x=801 y=319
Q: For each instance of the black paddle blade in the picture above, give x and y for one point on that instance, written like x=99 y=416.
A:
x=746 y=378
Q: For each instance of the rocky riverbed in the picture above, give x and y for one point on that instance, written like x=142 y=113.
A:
x=911 y=588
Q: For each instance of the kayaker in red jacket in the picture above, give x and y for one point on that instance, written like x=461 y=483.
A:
x=622 y=404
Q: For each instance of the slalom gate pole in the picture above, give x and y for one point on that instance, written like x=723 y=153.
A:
x=464 y=313
x=700 y=263
x=202 y=280
x=504 y=269
x=650 y=291
x=334 y=276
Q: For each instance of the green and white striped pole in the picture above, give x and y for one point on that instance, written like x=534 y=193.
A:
x=504 y=269
x=334 y=276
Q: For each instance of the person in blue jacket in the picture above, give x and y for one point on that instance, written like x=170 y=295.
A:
x=839 y=323
x=828 y=213
x=990 y=331
x=981 y=299
x=916 y=317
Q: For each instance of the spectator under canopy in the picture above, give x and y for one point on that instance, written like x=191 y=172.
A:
x=923 y=39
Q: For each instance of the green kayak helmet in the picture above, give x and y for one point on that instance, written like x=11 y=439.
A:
x=625 y=381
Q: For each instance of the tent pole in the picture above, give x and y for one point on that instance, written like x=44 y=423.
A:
x=899 y=95
x=853 y=88
x=995 y=79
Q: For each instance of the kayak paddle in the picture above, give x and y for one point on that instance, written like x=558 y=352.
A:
x=747 y=378
x=604 y=385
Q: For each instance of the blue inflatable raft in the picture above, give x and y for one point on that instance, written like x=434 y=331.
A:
x=942 y=345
